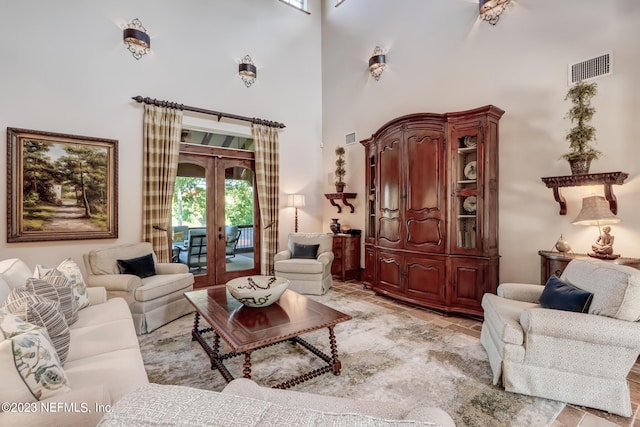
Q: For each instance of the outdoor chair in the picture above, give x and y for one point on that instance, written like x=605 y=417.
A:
x=232 y=236
x=195 y=253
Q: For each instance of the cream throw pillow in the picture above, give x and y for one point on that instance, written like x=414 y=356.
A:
x=73 y=275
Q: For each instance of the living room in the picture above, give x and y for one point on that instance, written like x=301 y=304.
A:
x=66 y=70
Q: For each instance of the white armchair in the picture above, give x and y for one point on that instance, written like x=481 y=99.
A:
x=154 y=300
x=306 y=262
x=574 y=357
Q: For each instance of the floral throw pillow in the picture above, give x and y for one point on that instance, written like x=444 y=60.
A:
x=73 y=274
x=29 y=365
x=11 y=325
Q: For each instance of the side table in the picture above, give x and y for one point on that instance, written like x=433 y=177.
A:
x=555 y=263
x=346 y=257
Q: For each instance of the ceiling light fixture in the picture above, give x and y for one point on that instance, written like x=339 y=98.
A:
x=377 y=63
x=247 y=71
x=490 y=10
x=136 y=38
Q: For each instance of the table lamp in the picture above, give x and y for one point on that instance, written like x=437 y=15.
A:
x=596 y=211
x=295 y=201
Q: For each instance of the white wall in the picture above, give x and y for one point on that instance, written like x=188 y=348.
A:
x=65 y=69
x=441 y=58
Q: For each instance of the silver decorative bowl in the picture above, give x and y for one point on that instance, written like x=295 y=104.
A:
x=257 y=291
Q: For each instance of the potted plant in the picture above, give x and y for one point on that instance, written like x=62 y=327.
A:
x=340 y=170
x=582 y=133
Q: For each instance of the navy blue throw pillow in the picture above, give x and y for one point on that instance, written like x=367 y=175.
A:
x=142 y=266
x=305 y=251
x=560 y=295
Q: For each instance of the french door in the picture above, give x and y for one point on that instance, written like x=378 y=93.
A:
x=220 y=201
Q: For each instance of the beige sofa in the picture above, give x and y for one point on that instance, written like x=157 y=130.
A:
x=104 y=361
x=574 y=357
x=155 y=300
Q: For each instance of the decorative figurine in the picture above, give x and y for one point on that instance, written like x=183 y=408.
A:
x=603 y=248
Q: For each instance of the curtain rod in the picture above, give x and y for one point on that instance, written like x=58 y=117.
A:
x=169 y=104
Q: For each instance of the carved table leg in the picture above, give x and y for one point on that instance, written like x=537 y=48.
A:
x=246 y=371
x=196 y=323
x=334 y=352
x=216 y=345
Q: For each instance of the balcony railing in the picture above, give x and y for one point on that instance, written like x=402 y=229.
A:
x=245 y=243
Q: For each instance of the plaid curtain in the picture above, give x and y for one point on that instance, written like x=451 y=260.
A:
x=161 y=134
x=267 y=177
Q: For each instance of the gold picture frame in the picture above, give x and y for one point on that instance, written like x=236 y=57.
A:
x=60 y=187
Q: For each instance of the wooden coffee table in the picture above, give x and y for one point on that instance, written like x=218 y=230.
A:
x=247 y=329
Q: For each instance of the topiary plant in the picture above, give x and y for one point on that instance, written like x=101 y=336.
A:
x=580 y=114
x=340 y=171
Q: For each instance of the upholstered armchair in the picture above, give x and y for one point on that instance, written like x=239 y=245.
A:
x=578 y=357
x=306 y=262
x=153 y=290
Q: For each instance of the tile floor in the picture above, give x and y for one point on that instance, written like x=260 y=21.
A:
x=571 y=416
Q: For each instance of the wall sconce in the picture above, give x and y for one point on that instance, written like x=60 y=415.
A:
x=136 y=38
x=377 y=63
x=247 y=71
x=490 y=10
x=295 y=201
x=596 y=211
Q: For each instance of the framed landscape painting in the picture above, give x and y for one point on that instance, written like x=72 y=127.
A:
x=60 y=187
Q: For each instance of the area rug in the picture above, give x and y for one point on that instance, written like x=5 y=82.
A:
x=385 y=355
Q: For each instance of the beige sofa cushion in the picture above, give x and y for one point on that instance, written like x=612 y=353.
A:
x=299 y=265
x=121 y=371
x=615 y=288
x=108 y=311
x=162 y=284
x=100 y=339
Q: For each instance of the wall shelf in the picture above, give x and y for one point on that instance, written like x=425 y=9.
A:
x=607 y=179
x=344 y=197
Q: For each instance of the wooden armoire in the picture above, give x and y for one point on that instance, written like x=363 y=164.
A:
x=431 y=233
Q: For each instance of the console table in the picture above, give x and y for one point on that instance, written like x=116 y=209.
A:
x=555 y=263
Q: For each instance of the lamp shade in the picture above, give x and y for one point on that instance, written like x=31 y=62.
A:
x=295 y=200
x=595 y=211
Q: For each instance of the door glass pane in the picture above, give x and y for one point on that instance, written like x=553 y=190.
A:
x=238 y=218
x=189 y=218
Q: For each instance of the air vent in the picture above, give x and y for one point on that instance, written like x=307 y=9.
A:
x=590 y=69
x=350 y=138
